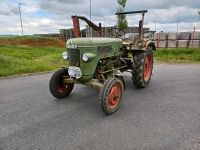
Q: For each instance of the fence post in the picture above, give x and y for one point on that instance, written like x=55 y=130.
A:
x=167 y=40
x=176 y=39
x=158 y=40
x=193 y=36
x=188 y=43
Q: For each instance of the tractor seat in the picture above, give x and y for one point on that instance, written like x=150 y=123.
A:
x=127 y=41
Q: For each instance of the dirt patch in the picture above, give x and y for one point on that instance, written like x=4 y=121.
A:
x=32 y=42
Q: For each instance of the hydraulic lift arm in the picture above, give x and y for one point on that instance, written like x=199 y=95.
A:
x=77 y=25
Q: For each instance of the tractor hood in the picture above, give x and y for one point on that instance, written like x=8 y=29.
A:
x=94 y=49
x=93 y=42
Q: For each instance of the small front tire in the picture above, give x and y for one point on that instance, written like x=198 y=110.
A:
x=110 y=96
x=57 y=87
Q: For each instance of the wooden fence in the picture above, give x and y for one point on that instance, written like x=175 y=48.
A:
x=161 y=40
x=177 y=40
x=110 y=31
x=66 y=34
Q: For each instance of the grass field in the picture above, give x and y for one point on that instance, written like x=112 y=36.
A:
x=20 y=60
x=180 y=55
x=31 y=41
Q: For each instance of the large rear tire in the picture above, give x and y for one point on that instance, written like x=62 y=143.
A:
x=57 y=87
x=142 y=68
x=110 y=96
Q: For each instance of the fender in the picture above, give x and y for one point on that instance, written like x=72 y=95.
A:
x=150 y=43
x=118 y=75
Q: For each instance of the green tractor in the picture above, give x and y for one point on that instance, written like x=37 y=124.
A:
x=100 y=62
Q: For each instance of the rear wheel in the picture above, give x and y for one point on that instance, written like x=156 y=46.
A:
x=57 y=87
x=142 y=68
x=110 y=95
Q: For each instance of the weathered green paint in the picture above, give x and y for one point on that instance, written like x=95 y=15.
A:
x=111 y=46
x=89 y=42
x=68 y=80
x=94 y=84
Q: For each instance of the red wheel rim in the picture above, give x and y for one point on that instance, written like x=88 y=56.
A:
x=114 y=95
x=62 y=88
x=148 y=63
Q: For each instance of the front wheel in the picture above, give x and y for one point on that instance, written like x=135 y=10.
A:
x=110 y=96
x=57 y=87
x=142 y=68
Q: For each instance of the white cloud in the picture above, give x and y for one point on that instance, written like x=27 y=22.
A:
x=45 y=21
x=33 y=24
x=50 y=16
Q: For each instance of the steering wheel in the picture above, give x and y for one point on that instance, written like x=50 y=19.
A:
x=115 y=32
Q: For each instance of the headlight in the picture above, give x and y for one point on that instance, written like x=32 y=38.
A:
x=85 y=57
x=65 y=55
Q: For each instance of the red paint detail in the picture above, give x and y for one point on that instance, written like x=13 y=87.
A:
x=62 y=88
x=76 y=26
x=148 y=64
x=114 y=95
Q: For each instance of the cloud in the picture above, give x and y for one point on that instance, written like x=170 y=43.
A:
x=41 y=16
x=45 y=21
x=8 y=9
x=4 y=13
x=80 y=7
x=155 y=4
x=13 y=9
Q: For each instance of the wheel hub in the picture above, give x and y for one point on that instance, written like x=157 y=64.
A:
x=62 y=88
x=114 y=95
x=148 y=67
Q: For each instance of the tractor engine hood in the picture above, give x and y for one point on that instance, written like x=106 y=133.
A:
x=93 y=42
x=85 y=53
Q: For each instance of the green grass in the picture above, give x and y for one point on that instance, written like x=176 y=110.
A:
x=180 y=55
x=26 y=37
x=21 y=60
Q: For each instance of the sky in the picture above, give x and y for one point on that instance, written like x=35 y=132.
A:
x=48 y=16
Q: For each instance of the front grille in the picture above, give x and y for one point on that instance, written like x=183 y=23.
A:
x=74 y=57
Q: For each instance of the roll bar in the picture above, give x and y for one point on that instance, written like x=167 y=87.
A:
x=131 y=12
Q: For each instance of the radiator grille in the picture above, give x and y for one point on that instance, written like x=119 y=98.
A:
x=74 y=57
